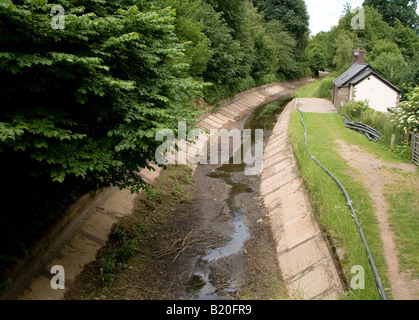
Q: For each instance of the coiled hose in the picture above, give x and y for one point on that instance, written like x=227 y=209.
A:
x=351 y=207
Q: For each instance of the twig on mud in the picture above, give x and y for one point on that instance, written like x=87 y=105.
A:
x=180 y=245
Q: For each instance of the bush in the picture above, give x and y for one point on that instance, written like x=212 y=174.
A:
x=325 y=90
x=354 y=109
x=407 y=117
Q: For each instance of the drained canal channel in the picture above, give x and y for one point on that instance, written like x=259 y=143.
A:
x=200 y=233
x=237 y=216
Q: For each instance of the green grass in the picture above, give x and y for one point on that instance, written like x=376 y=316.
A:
x=328 y=201
x=403 y=199
x=322 y=88
x=309 y=91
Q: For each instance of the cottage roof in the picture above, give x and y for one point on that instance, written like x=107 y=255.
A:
x=357 y=73
x=349 y=74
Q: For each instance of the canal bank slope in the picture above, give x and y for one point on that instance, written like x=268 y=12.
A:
x=306 y=262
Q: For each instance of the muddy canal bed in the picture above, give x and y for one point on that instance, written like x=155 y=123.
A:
x=239 y=217
x=226 y=247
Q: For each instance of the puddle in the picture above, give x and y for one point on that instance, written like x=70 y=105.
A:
x=200 y=286
x=235 y=245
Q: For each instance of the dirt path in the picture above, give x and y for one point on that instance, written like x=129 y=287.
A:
x=376 y=178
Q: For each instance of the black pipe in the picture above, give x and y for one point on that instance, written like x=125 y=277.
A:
x=361 y=127
x=364 y=126
x=370 y=133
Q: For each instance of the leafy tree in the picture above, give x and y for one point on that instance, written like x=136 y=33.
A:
x=387 y=59
x=190 y=30
x=233 y=12
x=325 y=42
x=375 y=28
x=80 y=106
x=265 y=64
x=316 y=59
x=292 y=14
x=343 y=56
x=402 y=10
x=406 y=39
x=225 y=67
x=391 y=66
x=285 y=47
x=86 y=101
x=347 y=8
x=383 y=46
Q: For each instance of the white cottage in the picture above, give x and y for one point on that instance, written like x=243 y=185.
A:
x=361 y=82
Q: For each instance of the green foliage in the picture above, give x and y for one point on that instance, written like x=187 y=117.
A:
x=241 y=49
x=325 y=90
x=387 y=59
x=296 y=23
x=407 y=116
x=343 y=56
x=265 y=59
x=354 y=109
x=402 y=10
x=189 y=29
x=5 y=284
x=98 y=90
x=316 y=58
x=285 y=46
x=319 y=89
x=80 y=106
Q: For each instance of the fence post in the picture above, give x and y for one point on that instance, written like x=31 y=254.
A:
x=393 y=140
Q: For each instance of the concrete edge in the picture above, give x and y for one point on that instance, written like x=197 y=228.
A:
x=307 y=265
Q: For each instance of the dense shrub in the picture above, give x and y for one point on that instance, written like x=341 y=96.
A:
x=354 y=109
x=407 y=116
x=325 y=89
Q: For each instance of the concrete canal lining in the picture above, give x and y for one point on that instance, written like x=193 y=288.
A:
x=305 y=260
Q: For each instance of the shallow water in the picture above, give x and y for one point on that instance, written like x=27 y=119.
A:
x=199 y=286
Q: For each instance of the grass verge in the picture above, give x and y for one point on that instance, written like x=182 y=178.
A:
x=403 y=200
x=320 y=89
x=310 y=90
x=329 y=203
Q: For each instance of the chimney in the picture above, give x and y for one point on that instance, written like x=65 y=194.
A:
x=358 y=56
